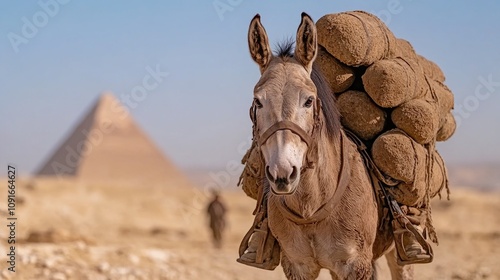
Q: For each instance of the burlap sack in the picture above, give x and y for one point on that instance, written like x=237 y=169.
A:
x=431 y=69
x=405 y=50
x=356 y=38
x=442 y=96
x=338 y=75
x=398 y=155
x=392 y=82
x=447 y=129
x=439 y=176
x=422 y=118
x=413 y=194
x=360 y=114
x=419 y=118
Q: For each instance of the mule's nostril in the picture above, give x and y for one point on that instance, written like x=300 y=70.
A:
x=268 y=175
x=294 y=174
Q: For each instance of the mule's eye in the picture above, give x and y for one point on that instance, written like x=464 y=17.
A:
x=257 y=103
x=309 y=102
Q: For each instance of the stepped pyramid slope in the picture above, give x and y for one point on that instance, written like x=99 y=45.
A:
x=107 y=145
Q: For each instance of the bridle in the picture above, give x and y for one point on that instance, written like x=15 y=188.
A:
x=309 y=139
x=311 y=158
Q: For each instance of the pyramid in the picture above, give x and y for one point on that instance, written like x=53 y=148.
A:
x=107 y=145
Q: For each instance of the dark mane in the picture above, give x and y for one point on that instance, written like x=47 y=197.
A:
x=330 y=110
x=285 y=48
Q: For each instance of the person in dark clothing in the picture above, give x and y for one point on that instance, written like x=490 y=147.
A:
x=216 y=212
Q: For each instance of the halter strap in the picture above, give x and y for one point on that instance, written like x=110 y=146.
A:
x=285 y=125
x=325 y=209
x=309 y=139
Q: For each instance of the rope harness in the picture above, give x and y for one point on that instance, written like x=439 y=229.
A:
x=309 y=139
x=311 y=160
x=390 y=212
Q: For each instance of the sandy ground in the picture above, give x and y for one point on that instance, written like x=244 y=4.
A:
x=158 y=232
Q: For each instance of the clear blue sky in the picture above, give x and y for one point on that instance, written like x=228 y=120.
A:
x=198 y=114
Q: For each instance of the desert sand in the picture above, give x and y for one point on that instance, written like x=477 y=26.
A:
x=92 y=231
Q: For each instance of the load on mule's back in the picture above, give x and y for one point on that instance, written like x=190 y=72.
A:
x=319 y=193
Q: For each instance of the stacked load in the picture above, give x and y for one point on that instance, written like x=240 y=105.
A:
x=392 y=98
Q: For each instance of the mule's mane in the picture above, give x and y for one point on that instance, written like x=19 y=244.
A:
x=330 y=110
x=285 y=48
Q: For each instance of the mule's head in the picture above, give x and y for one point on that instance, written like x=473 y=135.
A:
x=286 y=106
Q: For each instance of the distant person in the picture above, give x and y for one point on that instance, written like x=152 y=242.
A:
x=216 y=212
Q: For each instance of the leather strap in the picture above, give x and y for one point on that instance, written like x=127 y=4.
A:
x=285 y=125
x=363 y=150
x=309 y=139
x=325 y=209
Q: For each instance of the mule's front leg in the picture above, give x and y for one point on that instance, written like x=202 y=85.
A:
x=357 y=269
x=300 y=269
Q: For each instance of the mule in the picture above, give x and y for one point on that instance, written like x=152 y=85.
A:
x=321 y=204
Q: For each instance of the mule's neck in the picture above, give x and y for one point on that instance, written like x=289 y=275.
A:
x=319 y=184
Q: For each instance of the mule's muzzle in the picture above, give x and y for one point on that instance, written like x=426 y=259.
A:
x=282 y=188
x=283 y=185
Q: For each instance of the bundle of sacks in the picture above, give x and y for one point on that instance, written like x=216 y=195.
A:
x=392 y=98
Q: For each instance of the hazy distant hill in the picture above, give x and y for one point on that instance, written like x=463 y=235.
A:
x=483 y=176
x=215 y=178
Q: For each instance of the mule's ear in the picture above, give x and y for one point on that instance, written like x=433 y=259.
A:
x=258 y=43
x=307 y=42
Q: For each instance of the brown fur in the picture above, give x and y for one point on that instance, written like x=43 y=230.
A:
x=346 y=242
